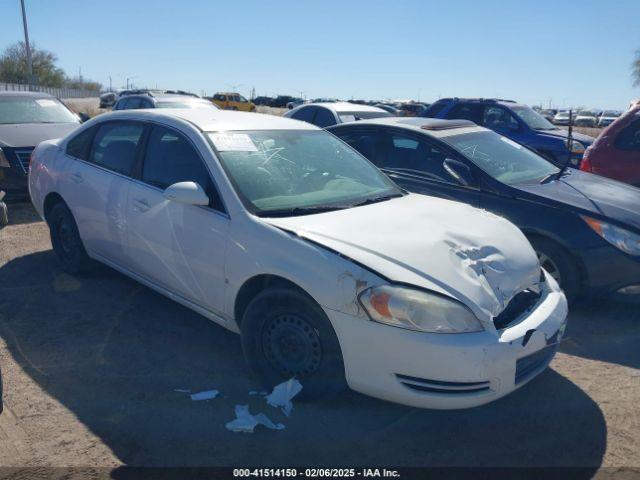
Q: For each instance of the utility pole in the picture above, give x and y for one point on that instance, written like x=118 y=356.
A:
x=110 y=89
x=27 y=45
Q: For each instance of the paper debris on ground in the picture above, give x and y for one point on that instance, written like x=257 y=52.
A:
x=245 y=422
x=206 y=395
x=181 y=390
x=283 y=393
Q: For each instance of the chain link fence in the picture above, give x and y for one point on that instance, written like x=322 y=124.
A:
x=56 y=92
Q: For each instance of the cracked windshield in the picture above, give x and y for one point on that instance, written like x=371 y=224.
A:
x=284 y=172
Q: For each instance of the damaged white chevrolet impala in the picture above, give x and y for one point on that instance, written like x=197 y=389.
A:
x=278 y=231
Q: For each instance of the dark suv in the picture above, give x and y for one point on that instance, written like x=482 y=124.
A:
x=518 y=122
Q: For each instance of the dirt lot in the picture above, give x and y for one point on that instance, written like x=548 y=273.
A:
x=90 y=368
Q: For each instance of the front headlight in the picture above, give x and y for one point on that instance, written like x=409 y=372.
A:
x=625 y=240
x=418 y=310
x=577 y=147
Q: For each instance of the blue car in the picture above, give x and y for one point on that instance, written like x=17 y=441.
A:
x=517 y=122
x=584 y=228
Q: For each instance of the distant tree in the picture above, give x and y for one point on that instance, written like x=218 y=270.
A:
x=635 y=69
x=13 y=66
x=82 y=84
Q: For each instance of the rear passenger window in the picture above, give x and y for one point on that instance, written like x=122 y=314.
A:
x=79 y=145
x=115 y=146
x=170 y=158
x=305 y=114
x=324 y=118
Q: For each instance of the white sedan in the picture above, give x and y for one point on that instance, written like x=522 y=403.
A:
x=277 y=230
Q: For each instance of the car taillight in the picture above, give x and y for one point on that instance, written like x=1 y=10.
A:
x=585 y=165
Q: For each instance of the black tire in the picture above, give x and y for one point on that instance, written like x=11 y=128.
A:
x=66 y=241
x=559 y=264
x=286 y=334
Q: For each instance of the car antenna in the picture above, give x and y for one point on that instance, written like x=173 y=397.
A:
x=569 y=143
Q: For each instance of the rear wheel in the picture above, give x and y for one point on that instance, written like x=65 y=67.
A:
x=286 y=334
x=66 y=241
x=559 y=264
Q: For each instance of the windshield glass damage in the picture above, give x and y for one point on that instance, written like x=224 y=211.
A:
x=285 y=172
x=502 y=158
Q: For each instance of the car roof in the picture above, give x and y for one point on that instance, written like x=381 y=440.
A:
x=430 y=126
x=211 y=120
x=11 y=93
x=166 y=97
x=497 y=101
x=162 y=97
x=340 y=107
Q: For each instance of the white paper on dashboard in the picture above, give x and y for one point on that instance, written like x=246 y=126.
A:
x=233 y=142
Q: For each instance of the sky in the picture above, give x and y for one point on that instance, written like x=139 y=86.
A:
x=568 y=53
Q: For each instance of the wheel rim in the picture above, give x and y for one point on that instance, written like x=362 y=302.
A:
x=68 y=238
x=292 y=345
x=550 y=266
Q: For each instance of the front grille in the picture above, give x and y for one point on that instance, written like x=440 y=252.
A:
x=23 y=156
x=531 y=364
x=440 y=386
x=519 y=305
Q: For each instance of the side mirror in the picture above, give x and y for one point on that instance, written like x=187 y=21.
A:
x=189 y=193
x=460 y=171
x=84 y=116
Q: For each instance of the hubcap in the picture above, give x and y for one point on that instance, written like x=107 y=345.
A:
x=550 y=266
x=292 y=345
x=67 y=237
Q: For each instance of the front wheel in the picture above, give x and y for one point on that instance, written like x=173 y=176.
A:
x=66 y=241
x=286 y=334
x=559 y=264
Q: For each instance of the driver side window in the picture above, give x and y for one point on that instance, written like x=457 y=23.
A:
x=416 y=157
x=170 y=158
x=498 y=118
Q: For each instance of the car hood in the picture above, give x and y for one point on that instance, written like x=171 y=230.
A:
x=593 y=193
x=31 y=134
x=449 y=247
x=562 y=133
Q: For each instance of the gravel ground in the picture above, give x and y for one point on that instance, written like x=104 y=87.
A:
x=90 y=368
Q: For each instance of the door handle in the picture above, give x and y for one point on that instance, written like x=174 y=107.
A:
x=77 y=178
x=141 y=204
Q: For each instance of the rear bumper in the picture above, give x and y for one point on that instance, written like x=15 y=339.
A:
x=449 y=371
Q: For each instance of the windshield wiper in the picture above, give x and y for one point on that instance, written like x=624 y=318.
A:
x=296 y=211
x=382 y=198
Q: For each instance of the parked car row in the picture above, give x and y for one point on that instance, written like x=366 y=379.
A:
x=581 y=118
x=426 y=261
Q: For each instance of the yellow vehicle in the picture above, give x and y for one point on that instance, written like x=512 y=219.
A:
x=233 y=101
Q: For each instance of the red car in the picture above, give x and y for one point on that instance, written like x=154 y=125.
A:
x=616 y=152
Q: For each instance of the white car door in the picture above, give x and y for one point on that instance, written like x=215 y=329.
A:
x=176 y=246
x=96 y=185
